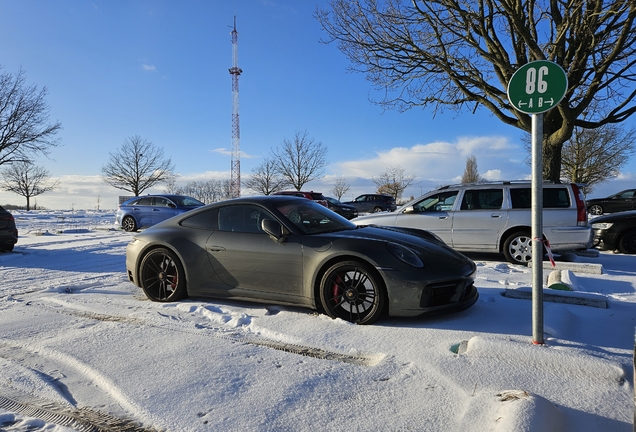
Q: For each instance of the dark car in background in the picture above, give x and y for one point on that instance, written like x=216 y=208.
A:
x=373 y=203
x=311 y=195
x=615 y=231
x=145 y=211
x=293 y=251
x=8 y=231
x=622 y=201
x=344 y=210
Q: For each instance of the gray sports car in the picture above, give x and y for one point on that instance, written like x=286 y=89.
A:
x=289 y=250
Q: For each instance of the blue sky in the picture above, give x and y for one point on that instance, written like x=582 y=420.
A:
x=159 y=69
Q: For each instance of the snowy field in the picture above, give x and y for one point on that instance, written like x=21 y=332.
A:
x=81 y=346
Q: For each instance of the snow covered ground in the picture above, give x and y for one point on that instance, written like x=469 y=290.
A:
x=80 y=345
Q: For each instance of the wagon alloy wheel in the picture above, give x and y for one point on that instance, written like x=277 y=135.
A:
x=595 y=210
x=162 y=276
x=129 y=224
x=349 y=290
x=518 y=248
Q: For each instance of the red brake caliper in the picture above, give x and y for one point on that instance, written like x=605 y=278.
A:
x=336 y=290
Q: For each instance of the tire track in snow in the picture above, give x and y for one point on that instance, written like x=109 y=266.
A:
x=220 y=332
x=80 y=419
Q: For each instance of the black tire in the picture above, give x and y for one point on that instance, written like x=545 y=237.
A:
x=129 y=224
x=7 y=248
x=627 y=244
x=162 y=277
x=595 y=209
x=350 y=290
x=377 y=209
x=518 y=248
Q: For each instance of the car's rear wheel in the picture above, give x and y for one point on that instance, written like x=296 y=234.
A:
x=162 y=277
x=129 y=224
x=377 y=209
x=7 y=248
x=518 y=248
x=627 y=243
x=595 y=210
x=350 y=290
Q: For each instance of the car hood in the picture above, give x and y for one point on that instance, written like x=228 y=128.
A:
x=612 y=217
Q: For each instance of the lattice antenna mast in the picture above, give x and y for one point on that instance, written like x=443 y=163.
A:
x=235 y=71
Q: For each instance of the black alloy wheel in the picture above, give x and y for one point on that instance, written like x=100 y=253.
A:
x=350 y=290
x=627 y=243
x=162 y=276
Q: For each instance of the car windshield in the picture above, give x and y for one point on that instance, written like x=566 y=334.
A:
x=313 y=218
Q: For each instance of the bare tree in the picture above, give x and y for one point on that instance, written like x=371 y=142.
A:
x=27 y=180
x=471 y=174
x=300 y=160
x=24 y=116
x=137 y=166
x=461 y=55
x=593 y=156
x=208 y=192
x=393 y=182
x=266 y=179
x=340 y=187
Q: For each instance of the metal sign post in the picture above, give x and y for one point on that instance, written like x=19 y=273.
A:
x=535 y=88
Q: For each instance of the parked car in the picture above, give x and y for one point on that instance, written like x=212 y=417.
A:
x=369 y=203
x=311 y=195
x=145 y=211
x=288 y=250
x=622 y=201
x=615 y=231
x=8 y=231
x=495 y=217
x=344 y=210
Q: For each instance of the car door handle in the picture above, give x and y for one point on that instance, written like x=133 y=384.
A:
x=495 y=215
x=216 y=248
x=443 y=217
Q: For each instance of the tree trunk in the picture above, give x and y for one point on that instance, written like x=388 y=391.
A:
x=552 y=162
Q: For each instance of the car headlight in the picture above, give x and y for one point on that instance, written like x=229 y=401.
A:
x=405 y=255
x=602 y=225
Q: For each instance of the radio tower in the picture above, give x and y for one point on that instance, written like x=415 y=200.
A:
x=235 y=71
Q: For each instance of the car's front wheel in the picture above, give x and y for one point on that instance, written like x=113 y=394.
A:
x=518 y=248
x=350 y=290
x=129 y=224
x=627 y=243
x=595 y=210
x=162 y=276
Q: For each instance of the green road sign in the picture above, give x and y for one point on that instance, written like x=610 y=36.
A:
x=537 y=87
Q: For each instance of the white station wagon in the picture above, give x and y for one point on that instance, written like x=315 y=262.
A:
x=495 y=217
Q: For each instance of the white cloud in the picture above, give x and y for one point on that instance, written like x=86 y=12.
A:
x=148 y=67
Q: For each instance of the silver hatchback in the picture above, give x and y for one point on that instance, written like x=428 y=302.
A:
x=495 y=217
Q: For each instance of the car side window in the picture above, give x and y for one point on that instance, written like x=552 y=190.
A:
x=439 y=202
x=552 y=198
x=626 y=195
x=146 y=201
x=208 y=220
x=161 y=202
x=487 y=199
x=242 y=218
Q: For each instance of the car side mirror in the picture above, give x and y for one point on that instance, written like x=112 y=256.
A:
x=274 y=230
x=409 y=209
